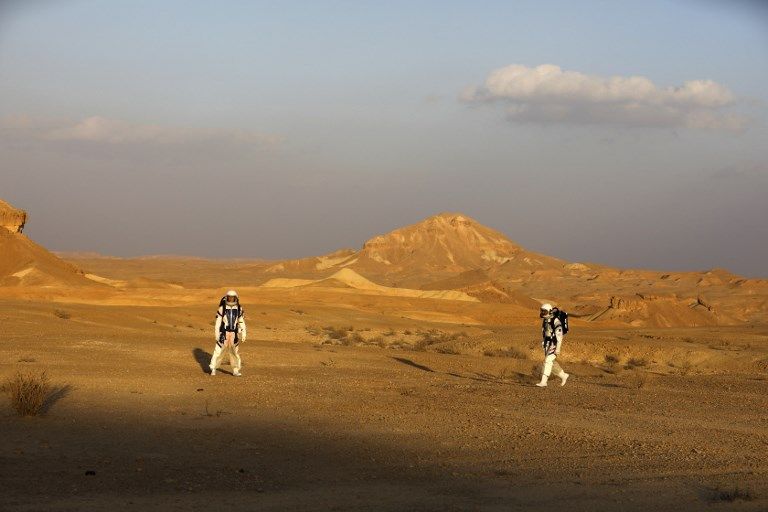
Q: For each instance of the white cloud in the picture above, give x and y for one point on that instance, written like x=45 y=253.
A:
x=102 y=130
x=547 y=94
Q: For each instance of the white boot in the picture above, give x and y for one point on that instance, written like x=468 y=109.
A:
x=543 y=382
x=564 y=377
x=213 y=371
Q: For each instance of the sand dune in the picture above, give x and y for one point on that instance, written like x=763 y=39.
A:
x=349 y=278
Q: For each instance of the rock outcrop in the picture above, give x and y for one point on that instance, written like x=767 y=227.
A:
x=11 y=218
x=24 y=263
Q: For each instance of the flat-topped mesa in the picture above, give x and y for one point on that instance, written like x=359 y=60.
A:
x=12 y=218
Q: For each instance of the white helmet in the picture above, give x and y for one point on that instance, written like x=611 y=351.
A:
x=232 y=297
x=545 y=311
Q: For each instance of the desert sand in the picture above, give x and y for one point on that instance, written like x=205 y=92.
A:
x=395 y=377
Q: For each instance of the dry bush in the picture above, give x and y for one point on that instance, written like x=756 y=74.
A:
x=28 y=392
x=635 y=362
x=336 y=333
x=60 y=313
x=389 y=332
x=447 y=350
x=611 y=359
x=510 y=352
x=378 y=340
x=352 y=338
x=731 y=495
x=434 y=336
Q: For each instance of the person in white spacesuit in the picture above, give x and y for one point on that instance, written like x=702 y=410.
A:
x=554 y=325
x=229 y=331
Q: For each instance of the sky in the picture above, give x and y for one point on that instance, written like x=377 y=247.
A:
x=625 y=133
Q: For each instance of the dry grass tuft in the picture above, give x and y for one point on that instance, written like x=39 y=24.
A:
x=60 y=313
x=635 y=362
x=510 y=352
x=731 y=495
x=435 y=336
x=28 y=392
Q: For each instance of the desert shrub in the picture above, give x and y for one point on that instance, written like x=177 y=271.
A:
x=60 y=313
x=435 y=336
x=389 y=332
x=510 y=352
x=611 y=359
x=636 y=362
x=730 y=495
x=352 y=338
x=407 y=332
x=378 y=340
x=336 y=333
x=28 y=392
x=447 y=350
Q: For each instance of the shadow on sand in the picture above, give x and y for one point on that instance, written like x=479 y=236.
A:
x=203 y=358
x=418 y=366
x=56 y=394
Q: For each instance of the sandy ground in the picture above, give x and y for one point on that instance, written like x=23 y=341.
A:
x=136 y=423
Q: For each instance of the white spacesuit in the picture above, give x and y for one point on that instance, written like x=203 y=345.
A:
x=552 y=334
x=229 y=331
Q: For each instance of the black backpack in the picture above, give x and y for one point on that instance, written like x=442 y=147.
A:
x=223 y=307
x=562 y=316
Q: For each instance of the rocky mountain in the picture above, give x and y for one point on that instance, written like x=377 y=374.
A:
x=440 y=247
x=451 y=251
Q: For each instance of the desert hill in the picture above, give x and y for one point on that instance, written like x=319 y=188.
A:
x=444 y=245
x=440 y=247
x=447 y=256
x=25 y=263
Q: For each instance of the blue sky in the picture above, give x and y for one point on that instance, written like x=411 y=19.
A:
x=324 y=123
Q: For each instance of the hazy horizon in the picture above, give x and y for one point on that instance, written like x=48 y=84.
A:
x=625 y=134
